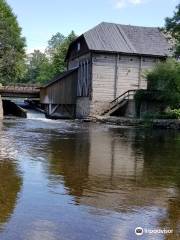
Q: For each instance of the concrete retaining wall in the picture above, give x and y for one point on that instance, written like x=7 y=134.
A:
x=1 y=108
x=130 y=109
x=82 y=107
x=85 y=107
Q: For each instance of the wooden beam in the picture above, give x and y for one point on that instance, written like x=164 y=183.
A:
x=116 y=76
x=140 y=72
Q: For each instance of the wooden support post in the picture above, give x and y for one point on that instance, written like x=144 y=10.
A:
x=116 y=76
x=1 y=108
x=140 y=72
x=52 y=109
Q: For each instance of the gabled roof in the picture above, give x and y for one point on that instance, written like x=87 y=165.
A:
x=60 y=77
x=111 y=37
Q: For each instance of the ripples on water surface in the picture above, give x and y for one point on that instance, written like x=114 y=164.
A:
x=63 y=180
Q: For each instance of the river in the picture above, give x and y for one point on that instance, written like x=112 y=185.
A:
x=68 y=180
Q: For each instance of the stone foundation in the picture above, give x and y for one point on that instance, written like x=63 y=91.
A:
x=86 y=108
x=130 y=110
x=136 y=122
x=82 y=107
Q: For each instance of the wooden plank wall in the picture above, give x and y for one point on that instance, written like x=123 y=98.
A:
x=103 y=74
x=114 y=74
x=61 y=92
x=84 y=74
x=128 y=74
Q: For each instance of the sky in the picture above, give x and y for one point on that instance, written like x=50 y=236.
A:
x=40 y=19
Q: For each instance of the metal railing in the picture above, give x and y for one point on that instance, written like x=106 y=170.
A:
x=125 y=95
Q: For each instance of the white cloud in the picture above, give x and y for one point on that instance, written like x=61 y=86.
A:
x=124 y=3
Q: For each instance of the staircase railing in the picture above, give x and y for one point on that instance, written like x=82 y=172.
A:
x=125 y=96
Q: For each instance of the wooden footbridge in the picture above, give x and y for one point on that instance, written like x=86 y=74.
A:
x=25 y=91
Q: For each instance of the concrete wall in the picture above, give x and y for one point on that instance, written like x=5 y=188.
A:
x=130 y=109
x=83 y=105
x=1 y=108
x=151 y=107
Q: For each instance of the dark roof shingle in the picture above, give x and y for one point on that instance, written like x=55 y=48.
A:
x=110 y=37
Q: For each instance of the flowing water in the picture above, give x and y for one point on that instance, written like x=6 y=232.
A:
x=35 y=115
x=67 y=180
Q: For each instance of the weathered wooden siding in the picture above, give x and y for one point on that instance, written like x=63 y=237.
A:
x=73 y=63
x=146 y=65
x=103 y=74
x=60 y=92
x=77 y=49
x=114 y=74
x=128 y=74
x=84 y=74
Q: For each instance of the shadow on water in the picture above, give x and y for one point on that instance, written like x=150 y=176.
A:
x=10 y=181
x=10 y=186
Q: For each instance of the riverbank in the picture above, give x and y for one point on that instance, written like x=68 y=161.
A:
x=135 y=122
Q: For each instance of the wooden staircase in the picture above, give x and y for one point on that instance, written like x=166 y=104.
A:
x=119 y=102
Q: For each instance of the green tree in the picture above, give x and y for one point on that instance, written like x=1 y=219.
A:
x=39 y=68
x=165 y=77
x=55 y=41
x=58 y=58
x=173 y=27
x=12 y=46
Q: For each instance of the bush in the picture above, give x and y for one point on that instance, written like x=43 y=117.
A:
x=165 y=77
x=171 y=114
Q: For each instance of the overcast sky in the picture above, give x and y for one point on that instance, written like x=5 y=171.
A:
x=40 y=19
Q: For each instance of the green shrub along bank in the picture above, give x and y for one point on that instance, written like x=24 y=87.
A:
x=165 y=78
x=163 y=89
x=170 y=114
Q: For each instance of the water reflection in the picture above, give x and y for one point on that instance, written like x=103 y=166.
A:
x=10 y=185
x=123 y=171
x=85 y=181
x=10 y=179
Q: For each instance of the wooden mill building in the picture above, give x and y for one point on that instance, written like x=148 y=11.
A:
x=105 y=66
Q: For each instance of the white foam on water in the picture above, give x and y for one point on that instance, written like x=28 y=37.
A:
x=35 y=115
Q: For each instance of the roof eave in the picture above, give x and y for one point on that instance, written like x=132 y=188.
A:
x=130 y=53
x=61 y=76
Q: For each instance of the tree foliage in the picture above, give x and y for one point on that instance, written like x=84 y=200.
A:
x=38 y=68
x=55 y=41
x=12 y=46
x=59 y=55
x=41 y=67
x=173 y=27
x=165 y=77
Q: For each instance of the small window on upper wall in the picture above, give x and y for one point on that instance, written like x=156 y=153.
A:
x=78 y=46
